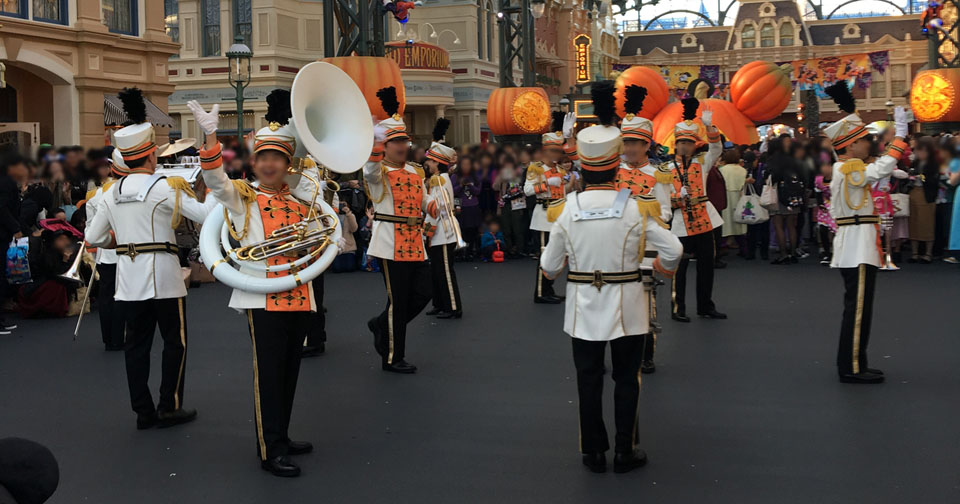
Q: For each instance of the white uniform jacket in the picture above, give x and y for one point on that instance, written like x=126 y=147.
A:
x=382 y=235
x=153 y=275
x=538 y=221
x=222 y=189
x=857 y=244
x=106 y=255
x=443 y=224
x=610 y=245
x=707 y=161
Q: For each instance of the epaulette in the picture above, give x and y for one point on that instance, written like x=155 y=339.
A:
x=247 y=192
x=181 y=184
x=664 y=174
x=419 y=169
x=554 y=209
x=534 y=170
x=90 y=194
x=649 y=207
x=436 y=181
x=853 y=166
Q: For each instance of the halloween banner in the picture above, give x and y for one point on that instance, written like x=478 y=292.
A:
x=820 y=73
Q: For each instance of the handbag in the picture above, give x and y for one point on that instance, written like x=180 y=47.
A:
x=497 y=255
x=901 y=204
x=768 y=198
x=18 y=261
x=749 y=210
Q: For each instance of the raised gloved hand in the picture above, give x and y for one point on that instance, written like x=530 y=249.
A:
x=555 y=181
x=900 y=122
x=341 y=244
x=707 y=117
x=208 y=121
x=569 y=123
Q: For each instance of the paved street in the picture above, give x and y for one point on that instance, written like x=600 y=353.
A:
x=746 y=410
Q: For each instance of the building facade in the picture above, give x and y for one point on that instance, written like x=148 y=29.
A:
x=62 y=57
x=776 y=31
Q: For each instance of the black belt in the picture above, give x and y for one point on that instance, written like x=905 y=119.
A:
x=132 y=250
x=855 y=220
x=599 y=278
x=650 y=254
x=412 y=220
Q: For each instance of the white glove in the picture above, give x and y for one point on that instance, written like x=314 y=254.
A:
x=900 y=122
x=555 y=181
x=569 y=122
x=707 y=117
x=341 y=244
x=208 y=121
x=900 y=174
x=379 y=133
x=683 y=192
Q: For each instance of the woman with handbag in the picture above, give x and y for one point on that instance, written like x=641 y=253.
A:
x=734 y=177
x=924 y=177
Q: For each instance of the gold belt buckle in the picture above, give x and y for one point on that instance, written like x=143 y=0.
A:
x=131 y=251
x=413 y=220
x=597 y=280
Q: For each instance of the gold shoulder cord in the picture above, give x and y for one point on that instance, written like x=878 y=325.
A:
x=248 y=195
x=383 y=177
x=179 y=186
x=534 y=170
x=848 y=169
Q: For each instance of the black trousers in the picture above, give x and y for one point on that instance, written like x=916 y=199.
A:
x=112 y=321
x=858 y=285
x=446 y=291
x=409 y=289
x=701 y=246
x=143 y=317
x=317 y=329
x=650 y=338
x=758 y=236
x=544 y=285
x=277 y=340
x=625 y=354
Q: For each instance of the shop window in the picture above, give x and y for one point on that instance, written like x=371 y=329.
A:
x=171 y=19
x=13 y=8
x=748 y=36
x=767 y=34
x=120 y=16
x=898 y=80
x=210 y=17
x=243 y=21
x=51 y=11
x=787 y=33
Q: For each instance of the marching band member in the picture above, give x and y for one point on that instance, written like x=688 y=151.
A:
x=549 y=183
x=112 y=322
x=602 y=234
x=399 y=197
x=277 y=322
x=643 y=179
x=443 y=232
x=137 y=216
x=857 y=251
x=694 y=217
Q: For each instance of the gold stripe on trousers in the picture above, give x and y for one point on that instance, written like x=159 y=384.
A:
x=543 y=245
x=446 y=270
x=183 y=359
x=858 y=318
x=256 y=388
x=386 y=275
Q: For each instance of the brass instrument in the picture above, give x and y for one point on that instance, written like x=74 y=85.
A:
x=73 y=275
x=451 y=220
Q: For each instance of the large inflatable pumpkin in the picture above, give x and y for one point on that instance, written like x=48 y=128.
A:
x=518 y=111
x=732 y=123
x=761 y=90
x=657 y=92
x=371 y=74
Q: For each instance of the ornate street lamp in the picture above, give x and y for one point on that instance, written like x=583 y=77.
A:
x=238 y=61
x=889 y=106
x=537 y=8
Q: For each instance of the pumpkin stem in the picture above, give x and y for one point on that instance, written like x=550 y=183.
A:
x=786 y=68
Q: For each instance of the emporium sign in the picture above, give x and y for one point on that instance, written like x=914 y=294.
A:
x=419 y=55
x=582 y=45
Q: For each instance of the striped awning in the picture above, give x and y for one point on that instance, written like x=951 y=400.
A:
x=113 y=114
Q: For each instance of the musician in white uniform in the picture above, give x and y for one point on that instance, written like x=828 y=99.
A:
x=549 y=183
x=857 y=251
x=112 y=321
x=137 y=217
x=601 y=235
x=443 y=231
x=278 y=321
x=400 y=199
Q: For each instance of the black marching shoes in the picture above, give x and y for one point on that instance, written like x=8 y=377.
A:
x=626 y=462
x=145 y=422
x=299 y=447
x=547 y=300
x=713 y=314
x=281 y=466
x=377 y=336
x=402 y=367
x=450 y=315
x=175 y=417
x=865 y=377
x=596 y=462
x=314 y=350
x=648 y=367
x=680 y=317
x=434 y=311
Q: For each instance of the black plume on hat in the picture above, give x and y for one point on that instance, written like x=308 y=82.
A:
x=603 y=102
x=690 y=106
x=388 y=100
x=440 y=128
x=28 y=470
x=133 y=105
x=557 y=121
x=635 y=95
x=278 y=107
x=842 y=96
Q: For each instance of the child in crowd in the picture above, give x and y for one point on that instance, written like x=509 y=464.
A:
x=826 y=227
x=491 y=239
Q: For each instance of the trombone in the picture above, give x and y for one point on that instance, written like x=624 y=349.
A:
x=73 y=275
x=451 y=220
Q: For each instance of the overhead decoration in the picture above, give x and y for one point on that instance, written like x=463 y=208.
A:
x=657 y=92
x=371 y=74
x=732 y=123
x=518 y=111
x=819 y=73
x=761 y=90
x=933 y=96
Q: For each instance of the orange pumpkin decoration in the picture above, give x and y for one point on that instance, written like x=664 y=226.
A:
x=657 y=92
x=933 y=95
x=371 y=74
x=732 y=124
x=761 y=90
x=518 y=111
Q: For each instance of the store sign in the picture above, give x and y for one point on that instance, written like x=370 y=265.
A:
x=419 y=56
x=582 y=45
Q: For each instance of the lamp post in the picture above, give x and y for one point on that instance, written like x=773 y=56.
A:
x=238 y=56
x=889 y=106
